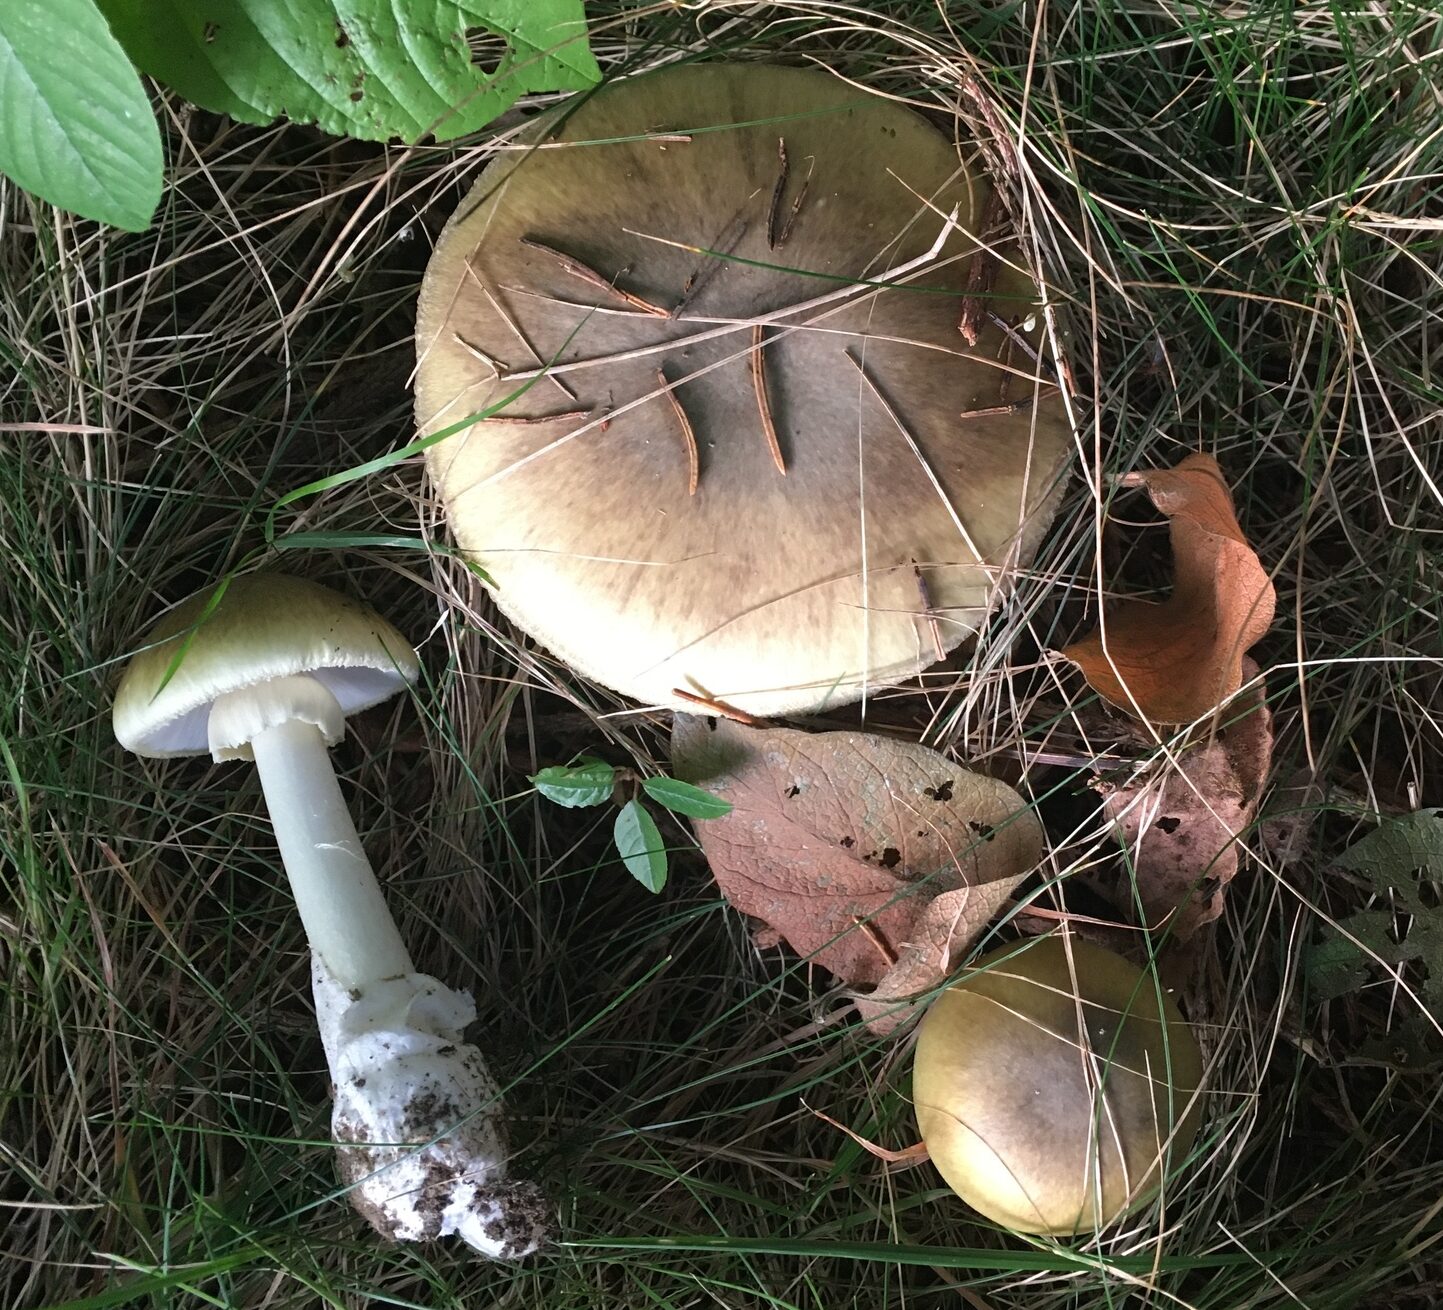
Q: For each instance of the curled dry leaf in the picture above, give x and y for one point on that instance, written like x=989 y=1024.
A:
x=876 y=858
x=1182 y=822
x=1174 y=662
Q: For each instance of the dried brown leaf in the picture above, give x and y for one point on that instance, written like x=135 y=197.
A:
x=1182 y=823
x=876 y=858
x=1174 y=662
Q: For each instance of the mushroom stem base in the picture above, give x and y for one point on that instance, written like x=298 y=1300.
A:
x=417 y=1118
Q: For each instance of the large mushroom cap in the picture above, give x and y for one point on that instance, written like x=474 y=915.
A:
x=266 y=626
x=1050 y=1085
x=774 y=592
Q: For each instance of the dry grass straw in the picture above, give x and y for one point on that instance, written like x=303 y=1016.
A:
x=1238 y=211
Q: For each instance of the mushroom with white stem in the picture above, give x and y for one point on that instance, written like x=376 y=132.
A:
x=270 y=674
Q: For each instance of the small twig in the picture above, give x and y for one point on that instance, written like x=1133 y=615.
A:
x=885 y=281
x=1013 y=335
x=528 y=146
x=59 y=429
x=1004 y=384
x=693 y=461
x=797 y=203
x=1063 y=916
x=774 y=210
x=1064 y=366
x=876 y=938
x=999 y=137
x=891 y=277
x=907 y=1157
x=764 y=404
x=540 y=418
x=982 y=272
x=993 y=411
x=918 y=456
x=590 y=276
x=610 y=310
x=1015 y=407
x=494 y=365
x=720 y=707
x=516 y=330
x=726 y=241
x=926 y=593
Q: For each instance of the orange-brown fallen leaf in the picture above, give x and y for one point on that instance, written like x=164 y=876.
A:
x=876 y=858
x=1174 y=662
x=1182 y=823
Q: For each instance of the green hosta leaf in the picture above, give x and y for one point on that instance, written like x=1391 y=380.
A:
x=683 y=798
x=576 y=786
x=76 y=127
x=371 y=69
x=640 y=846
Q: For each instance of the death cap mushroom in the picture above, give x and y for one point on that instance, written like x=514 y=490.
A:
x=779 y=514
x=1055 y=1085
x=267 y=669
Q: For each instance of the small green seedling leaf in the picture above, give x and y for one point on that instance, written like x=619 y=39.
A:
x=683 y=798
x=576 y=786
x=1397 y=860
x=640 y=846
x=76 y=126
x=370 y=69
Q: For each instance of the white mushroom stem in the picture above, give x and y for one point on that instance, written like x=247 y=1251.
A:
x=340 y=903
x=416 y=1114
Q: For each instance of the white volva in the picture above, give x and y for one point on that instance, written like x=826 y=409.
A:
x=417 y=1116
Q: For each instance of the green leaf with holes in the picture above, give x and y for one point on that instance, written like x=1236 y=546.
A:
x=370 y=69
x=640 y=846
x=576 y=786
x=76 y=127
x=1401 y=862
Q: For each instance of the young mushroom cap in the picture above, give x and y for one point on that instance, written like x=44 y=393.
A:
x=1049 y=1084
x=897 y=514
x=266 y=627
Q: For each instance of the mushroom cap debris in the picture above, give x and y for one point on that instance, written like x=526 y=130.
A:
x=1042 y=1123
x=265 y=627
x=779 y=515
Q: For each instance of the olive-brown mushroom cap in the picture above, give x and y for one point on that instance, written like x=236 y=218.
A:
x=776 y=593
x=1019 y=1105
x=266 y=626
